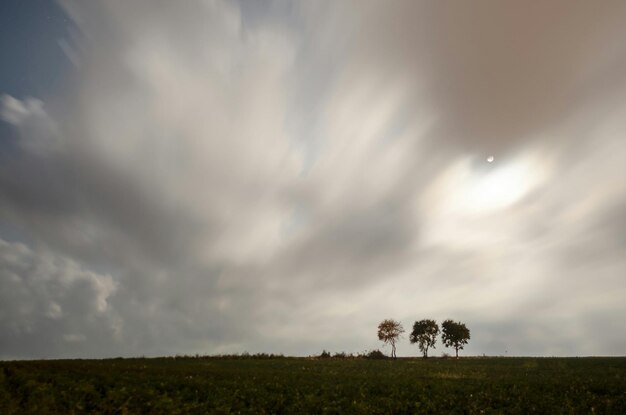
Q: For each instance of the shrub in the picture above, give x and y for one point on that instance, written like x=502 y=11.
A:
x=375 y=354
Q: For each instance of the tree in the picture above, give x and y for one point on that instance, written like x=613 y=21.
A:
x=389 y=331
x=425 y=334
x=454 y=334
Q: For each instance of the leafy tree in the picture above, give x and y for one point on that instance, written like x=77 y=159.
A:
x=389 y=331
x=454 y=334
x=425 y=335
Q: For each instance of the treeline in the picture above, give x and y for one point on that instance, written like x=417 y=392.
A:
x=229 y=356
x=372 y=354
x=425 y=332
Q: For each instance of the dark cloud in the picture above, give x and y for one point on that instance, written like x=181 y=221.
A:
x=498 y=73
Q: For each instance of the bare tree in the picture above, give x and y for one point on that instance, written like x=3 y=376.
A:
x=389 y=331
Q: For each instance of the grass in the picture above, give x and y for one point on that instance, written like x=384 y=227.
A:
x=298 y=385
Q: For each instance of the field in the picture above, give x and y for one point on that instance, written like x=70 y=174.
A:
x=299 y=385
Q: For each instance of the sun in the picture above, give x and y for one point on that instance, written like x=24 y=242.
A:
x=462 y=201
x=498 y=188
x=479 y=189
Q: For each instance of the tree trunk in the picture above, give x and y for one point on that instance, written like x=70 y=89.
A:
x=457 y=352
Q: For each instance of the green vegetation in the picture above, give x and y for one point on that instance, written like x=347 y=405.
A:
x=301 y=385
x=455 y=335
x=425 y=335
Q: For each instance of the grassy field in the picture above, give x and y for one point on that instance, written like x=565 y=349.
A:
x=298 y=385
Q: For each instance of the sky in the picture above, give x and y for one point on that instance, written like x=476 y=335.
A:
x=210 y=177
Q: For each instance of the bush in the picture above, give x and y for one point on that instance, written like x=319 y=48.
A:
x=325 y=355
x=375 y=354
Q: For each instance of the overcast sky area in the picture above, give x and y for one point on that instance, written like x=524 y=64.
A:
x=280 y=176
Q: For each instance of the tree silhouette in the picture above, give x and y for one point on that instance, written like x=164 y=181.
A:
x=389 y=331
x=454 y=334
x=425 y=335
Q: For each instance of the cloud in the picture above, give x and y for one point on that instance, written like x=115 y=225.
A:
x=45 y=298
x=38 y=130
x=497 y=74
x=221 y=178
x=15 y=111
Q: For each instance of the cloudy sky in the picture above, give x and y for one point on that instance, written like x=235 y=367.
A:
x=280 y=176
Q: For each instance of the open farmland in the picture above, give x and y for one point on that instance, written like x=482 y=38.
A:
x=299 y=385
